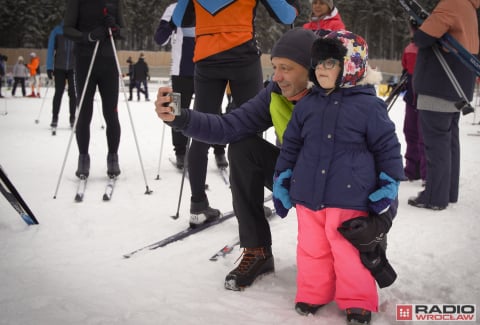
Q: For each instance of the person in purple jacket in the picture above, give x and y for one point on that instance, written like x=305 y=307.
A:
x=340 y=165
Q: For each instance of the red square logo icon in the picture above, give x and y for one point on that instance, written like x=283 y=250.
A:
x=404 y=312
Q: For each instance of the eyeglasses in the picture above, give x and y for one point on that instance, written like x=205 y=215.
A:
x=327 y=64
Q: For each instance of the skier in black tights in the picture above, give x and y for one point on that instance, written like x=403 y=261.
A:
x=87 y=22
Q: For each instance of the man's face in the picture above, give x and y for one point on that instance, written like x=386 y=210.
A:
x=291 y=77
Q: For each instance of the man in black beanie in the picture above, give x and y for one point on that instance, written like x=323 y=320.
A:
x=252 y=159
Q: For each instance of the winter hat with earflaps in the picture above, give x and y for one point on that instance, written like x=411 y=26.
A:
x=350 y=49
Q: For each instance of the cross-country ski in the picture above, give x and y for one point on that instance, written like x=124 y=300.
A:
x=107 y=195
x=13 y=197
x=81 y=187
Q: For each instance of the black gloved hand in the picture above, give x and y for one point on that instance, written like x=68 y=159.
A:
x=377 y=263
x=50 y=74
x=110 y=22
x=98 y=34
x=365 y=233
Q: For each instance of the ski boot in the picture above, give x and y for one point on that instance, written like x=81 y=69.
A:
x=83 y=169
x=180 y=161
x=201 y=212
x=221 y=161
x=113 y=169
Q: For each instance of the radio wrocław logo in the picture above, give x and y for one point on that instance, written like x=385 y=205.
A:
x=437 y=312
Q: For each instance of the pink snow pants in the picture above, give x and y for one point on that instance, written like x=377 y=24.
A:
x=329 y=266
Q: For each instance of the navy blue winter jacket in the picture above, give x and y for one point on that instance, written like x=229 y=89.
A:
x=249 y=119
x=430 y=79
x=337 y=145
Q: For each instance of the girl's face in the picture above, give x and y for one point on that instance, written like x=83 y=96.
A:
x=326 y=72
x=319 y=8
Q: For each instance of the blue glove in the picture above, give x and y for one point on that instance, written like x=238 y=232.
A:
x=381 y=199
x=281 y=198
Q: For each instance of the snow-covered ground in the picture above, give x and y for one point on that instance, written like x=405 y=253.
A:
x=70 y=269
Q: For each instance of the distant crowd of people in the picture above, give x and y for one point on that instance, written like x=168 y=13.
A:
x=22 y=73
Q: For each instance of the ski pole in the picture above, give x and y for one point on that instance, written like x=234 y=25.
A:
x=147 y=191
x=77 y=113
x=392 y=97
x=464 y=104
x=5 y=107
x=161 y=151
x=175 y=217
x=37 y=120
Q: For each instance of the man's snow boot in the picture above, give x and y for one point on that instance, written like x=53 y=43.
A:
x=201 y=212
x=83 y=169
x=113 y=169
x=255 y=262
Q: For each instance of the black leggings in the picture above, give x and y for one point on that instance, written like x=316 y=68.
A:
x=104 y=75
x=61 y=76
x=21 y=81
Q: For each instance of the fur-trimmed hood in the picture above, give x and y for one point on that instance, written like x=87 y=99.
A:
x=352 y=52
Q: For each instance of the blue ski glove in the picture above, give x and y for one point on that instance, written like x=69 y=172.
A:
x=281 y=198
x=381 y=199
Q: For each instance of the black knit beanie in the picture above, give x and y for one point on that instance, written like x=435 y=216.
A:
x=295 y=45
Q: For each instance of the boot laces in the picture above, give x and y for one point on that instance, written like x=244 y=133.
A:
x=249 y=257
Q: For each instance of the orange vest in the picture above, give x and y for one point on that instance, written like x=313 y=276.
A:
x=33 y=65
x=230 y=27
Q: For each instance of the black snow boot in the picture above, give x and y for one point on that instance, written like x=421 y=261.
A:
x=305 y=309
x=358 y=316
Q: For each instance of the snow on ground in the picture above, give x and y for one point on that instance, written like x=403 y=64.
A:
x=70 y=270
